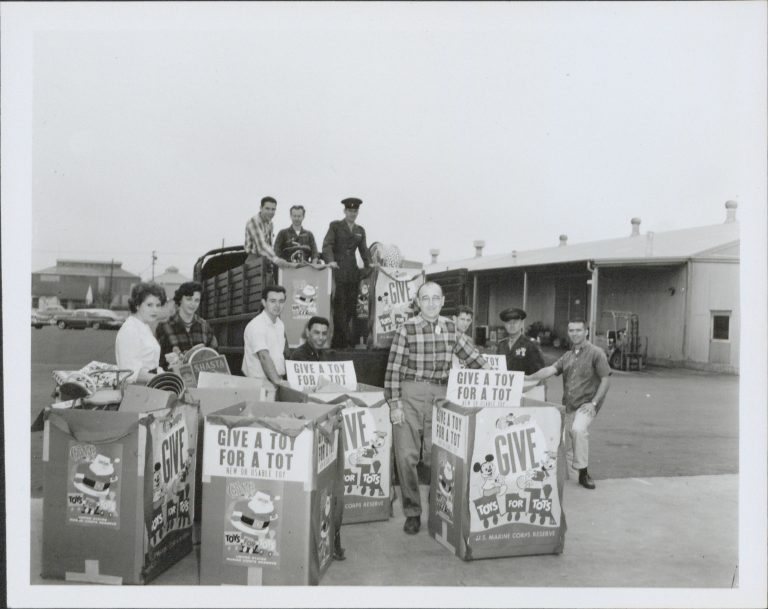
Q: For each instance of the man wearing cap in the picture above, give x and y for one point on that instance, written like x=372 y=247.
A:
x=522 y=352
x=417 y=375
x=586 y=381
x=341 y=241
x=295 y=243
x=313 y=351
x=259 y=233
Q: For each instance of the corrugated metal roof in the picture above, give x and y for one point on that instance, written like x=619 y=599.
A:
x=669 y=246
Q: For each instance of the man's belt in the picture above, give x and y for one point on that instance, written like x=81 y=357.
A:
x=431 y=381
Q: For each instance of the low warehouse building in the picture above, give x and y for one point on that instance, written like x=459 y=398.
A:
x=683 y=286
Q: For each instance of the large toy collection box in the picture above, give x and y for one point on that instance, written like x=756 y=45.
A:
x=497 y=480
x=367 y=445
x=268 y=475
x=118 y=497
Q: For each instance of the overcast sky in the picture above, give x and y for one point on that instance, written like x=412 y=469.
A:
x=128 y=128
x=160 y=129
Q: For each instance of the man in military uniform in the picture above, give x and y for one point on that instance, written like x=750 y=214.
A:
x=341 y=241
x=523 y=353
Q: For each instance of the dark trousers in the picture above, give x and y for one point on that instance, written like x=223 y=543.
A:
x=338 y=486
x=344 y=309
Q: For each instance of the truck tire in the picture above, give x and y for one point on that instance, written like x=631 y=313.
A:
x=62 y=324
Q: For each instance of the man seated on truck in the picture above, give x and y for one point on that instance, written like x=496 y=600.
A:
x=259 y=233
x=296 y=243
x=314 y=351
x=264 y=344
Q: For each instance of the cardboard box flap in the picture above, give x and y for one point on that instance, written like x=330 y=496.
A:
x=283 y=417
x=138 y=398
x=214 y=399
x=364 y=399
x=96 y=427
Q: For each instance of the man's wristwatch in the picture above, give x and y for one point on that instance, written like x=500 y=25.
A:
x=594 y=403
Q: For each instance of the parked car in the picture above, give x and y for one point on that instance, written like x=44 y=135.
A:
x=89 y=318
x=48 y=314
x=38 y=320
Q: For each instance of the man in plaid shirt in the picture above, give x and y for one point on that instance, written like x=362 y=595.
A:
x=417 y=375
x=185 y=328
x=259 y=233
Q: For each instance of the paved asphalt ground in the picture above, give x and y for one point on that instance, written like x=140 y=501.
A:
x=665 y=456
x=659 y=422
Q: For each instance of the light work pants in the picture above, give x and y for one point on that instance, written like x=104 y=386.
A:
x=576 y=438
x=411 y=435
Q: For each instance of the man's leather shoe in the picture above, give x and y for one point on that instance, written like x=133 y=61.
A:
x=585 y=479
x=412 y=525
x=338 y=551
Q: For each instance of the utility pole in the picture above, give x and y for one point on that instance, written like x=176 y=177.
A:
x=111 y=275
x=154 y=259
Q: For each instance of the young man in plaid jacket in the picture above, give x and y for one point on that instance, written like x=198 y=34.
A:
x=417 y=375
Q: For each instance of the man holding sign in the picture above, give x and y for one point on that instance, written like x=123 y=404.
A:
x=585 y=373
x=313 y=351
x=417 y=374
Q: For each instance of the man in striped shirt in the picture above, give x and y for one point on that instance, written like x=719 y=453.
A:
x=417 y=375
x=259 y=236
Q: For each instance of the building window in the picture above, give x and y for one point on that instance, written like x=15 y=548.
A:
x=721 y=325
x=49 y=278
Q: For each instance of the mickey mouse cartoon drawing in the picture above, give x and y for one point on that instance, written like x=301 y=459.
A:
x=492 y=482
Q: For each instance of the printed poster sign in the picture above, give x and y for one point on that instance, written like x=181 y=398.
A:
x=450 y=430
x=93 y=488
x=484 y=388
x=327 y=450
x=253 y=513
x=308 y=375
x=367 y=444
x=256 y=452
x=497 y=362
x=308 y=293
x=513 y=476
x=394 y=295
x=173 y=450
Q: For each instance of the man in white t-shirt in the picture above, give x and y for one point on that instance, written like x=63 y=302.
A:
x=264 y=338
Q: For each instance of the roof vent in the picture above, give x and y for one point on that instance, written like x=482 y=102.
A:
x=434 y=253
x=514 y=256
x=635 y=227
x=479 y=245
x=172 y=269
x=730 y=211
x=563 y=240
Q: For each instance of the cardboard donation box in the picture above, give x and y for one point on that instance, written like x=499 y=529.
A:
x=367 y=445
x=268 y=475
x=308 y=293
x=212 y=380
x=394 y=292
x=210 y=400
x=497 y=477
x=119 y=488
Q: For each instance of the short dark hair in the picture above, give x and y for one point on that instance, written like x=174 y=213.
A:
x=141 y=291
x=268 y=200
x=299 y=207
x=317 y=320
x=465 y=309
x=579 y=320
x=278 y=289
x=188 y=288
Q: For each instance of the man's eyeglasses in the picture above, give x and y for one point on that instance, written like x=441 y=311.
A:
x=426 y=299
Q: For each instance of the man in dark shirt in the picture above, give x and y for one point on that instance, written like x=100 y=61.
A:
x=312 y=351
x=295 y=243
x=185 y=328
x=586 y=380
x=343 y=238
x=522 y=352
